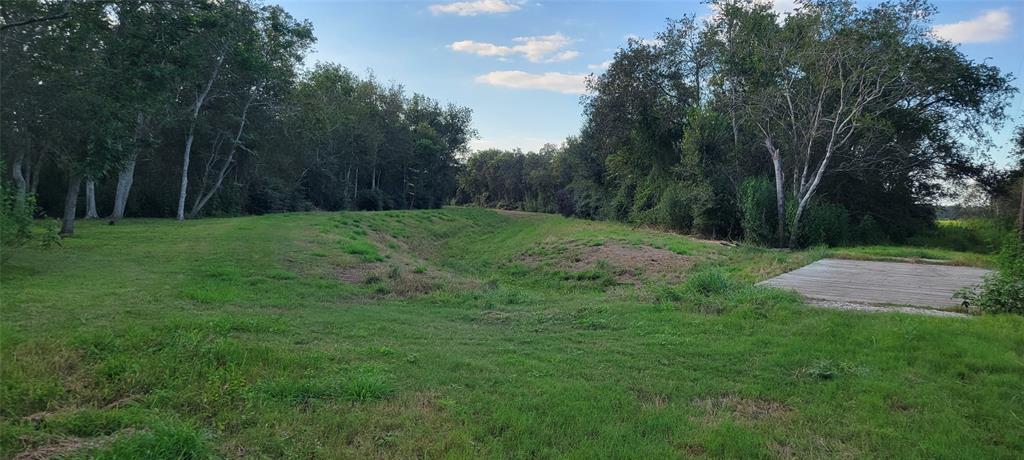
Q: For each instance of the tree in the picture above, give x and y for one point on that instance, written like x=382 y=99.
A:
x=814 y=83
x=1018 y=142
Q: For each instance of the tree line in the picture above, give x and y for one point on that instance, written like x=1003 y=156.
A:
x=833 y=123
x=203 y=107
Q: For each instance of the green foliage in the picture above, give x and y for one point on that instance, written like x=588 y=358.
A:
x=1003 y=291
x=984 y=236
x=17 y=226
x=757 y=203
x=824 y=223
x=708 y=282
x=364 y=249
x=15 y=219
x=168 y=441
x=868 y=231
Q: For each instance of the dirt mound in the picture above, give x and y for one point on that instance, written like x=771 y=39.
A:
x=403 y=274
x=628 y=263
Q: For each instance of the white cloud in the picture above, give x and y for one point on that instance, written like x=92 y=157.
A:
x=602 y=66
x=782 y=8
x=481 y=48
x=548 y=81
x=645 y=41
x=993 y=25
x=544 y=48
x=475 y=7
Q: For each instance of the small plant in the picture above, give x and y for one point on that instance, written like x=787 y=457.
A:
x=708 y=282
x=367 y=251
x=366 y=385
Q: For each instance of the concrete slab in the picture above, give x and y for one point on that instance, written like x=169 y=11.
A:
x=880 y=283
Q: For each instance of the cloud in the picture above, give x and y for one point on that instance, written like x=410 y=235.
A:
x=782 y=8
x=544 y=48
x=645 y=41
x=475 y=7
x=547 y=81
x=993 y=25
x=602 y=66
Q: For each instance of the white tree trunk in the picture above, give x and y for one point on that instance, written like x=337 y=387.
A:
x=90 y=199
x=125 y=177
x=227 y=162
x=184 y=175
x=780 y=191
x=196 y=107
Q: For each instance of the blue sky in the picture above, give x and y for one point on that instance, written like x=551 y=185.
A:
x=519 y=64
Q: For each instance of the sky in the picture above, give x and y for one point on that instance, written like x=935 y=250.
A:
x=520 y=64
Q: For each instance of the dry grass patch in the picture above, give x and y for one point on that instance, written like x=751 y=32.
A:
x=70 y=444
x=743 y=409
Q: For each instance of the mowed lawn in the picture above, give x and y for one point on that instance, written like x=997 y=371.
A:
x=468 y=333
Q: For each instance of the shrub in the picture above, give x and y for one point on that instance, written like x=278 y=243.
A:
x=708 y=282
x=674 y=209
x=588 y=199
x=564 y=203
x=824 y=223
x=18 y=229
x=757 y=204
x=1002 y=291
x=371 y=200
x=868 y=231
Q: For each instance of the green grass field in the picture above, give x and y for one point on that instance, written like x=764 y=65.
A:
x=467 y=333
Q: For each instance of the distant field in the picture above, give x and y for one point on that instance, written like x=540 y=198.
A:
x=470 y=333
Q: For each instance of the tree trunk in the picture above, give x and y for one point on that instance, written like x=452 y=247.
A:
x=71 y=205
x=780 y=193
x=794 y=228
x=20 y=185
x=184 y=175
x=125 y=177
x=227 y=162
x=37 y=167
x=196 y=107
x=90 y=199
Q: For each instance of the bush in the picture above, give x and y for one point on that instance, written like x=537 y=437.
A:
x=371 y=200
x=708 y=282
x=588 y=199
x=824 y=223
x=868 y=231
x=564 y=203
x=757 y=204
x=1003 y=291
x=18 y=228
x=674 y=209
x=15 y=221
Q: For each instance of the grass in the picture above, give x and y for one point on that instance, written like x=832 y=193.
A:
x=238 y=337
